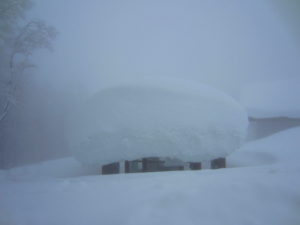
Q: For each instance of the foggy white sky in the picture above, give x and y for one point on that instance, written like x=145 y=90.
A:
x=226 y=44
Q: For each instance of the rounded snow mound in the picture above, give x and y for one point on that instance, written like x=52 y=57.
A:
x=191 y=122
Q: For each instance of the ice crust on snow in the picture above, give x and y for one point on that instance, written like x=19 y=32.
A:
x=273 y=99
x=172 y=118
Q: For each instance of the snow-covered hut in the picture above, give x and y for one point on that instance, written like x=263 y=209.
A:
x=169 y=119
x=272 y=107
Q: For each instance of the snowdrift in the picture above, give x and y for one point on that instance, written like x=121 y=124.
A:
x=282 y=147
x=170 y=118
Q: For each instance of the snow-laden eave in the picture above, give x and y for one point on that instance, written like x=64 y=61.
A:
x=251 y=118
x=269 y=114
x=273 y=99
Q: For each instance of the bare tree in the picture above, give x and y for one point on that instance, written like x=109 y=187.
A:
x=17 y=43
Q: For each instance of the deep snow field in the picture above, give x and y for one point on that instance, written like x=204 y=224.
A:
x=261 y=187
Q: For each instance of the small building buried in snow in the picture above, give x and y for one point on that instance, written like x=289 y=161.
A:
x=272 y=107
x=157 y=126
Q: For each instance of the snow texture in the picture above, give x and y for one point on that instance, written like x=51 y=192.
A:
x=273 y=99
x=168 y=118
x=265 y=191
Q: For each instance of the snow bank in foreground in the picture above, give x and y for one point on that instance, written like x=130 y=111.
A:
x=280 y=147
x=169 y=118
x=273 y=99
x=266 y=194
x=260 y=196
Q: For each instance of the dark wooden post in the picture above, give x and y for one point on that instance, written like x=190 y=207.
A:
x=111 y=168
x=152 y=164
x=127 y=166
x=195 y=166
x=144 y=164
x=218 y=163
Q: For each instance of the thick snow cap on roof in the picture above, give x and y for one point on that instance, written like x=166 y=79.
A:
x=273 y=99
x=165 y=118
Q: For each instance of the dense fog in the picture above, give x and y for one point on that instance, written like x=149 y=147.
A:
x=225 y=44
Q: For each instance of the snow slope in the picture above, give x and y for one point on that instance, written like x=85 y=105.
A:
x=273 y=99
x=59 y=168
x=282 y=147
x=164 y=118
x=266 y=190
